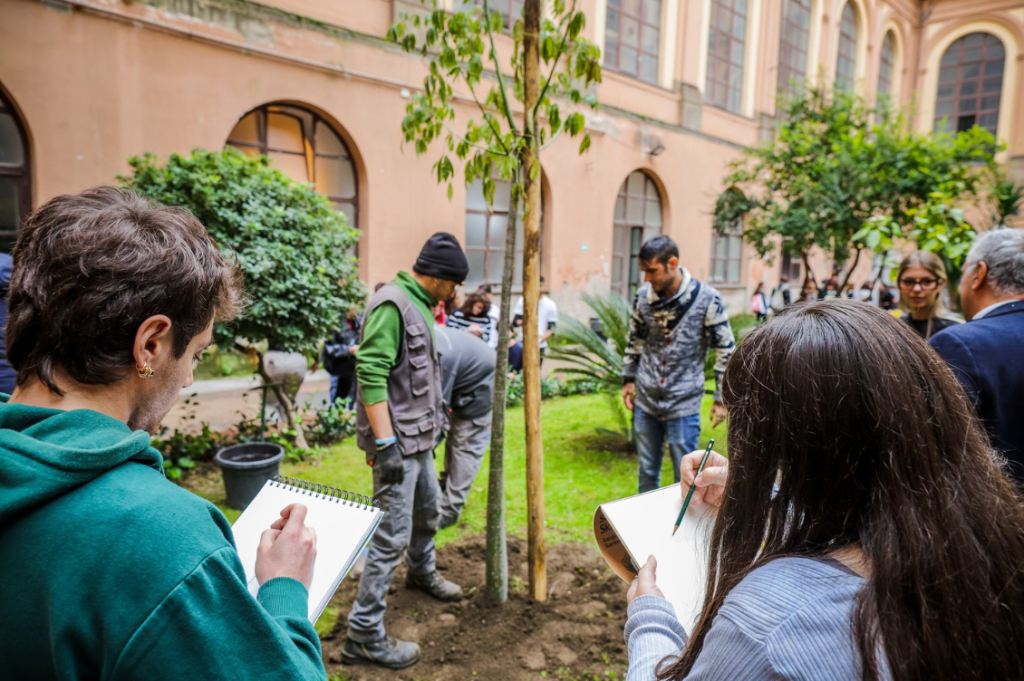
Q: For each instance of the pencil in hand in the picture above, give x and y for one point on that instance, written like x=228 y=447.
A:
x=693 y=486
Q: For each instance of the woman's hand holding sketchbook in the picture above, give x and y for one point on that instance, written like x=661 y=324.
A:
x=638 y=531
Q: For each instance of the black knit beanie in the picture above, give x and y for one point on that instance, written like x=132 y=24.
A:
x=442 y=257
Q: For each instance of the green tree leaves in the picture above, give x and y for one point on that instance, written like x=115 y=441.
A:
x=291 y=243
x=837 y=168
x=462 y=54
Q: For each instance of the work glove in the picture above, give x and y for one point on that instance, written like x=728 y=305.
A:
x=390 y=464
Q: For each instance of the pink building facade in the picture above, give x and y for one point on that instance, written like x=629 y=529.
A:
x=84 y=84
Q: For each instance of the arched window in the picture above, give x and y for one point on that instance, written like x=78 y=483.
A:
x=15 y=175
x=727 y=37
x=793 y=39
x=486 y=227
x=885 y=67
x=637 y=219
x=846 y=57
x=970 y=84
x=305 y=148
x=632 y=38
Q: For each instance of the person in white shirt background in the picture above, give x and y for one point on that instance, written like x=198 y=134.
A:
x=547 y=319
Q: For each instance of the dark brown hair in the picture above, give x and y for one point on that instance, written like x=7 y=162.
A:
x=872 y=443
x=89 y=268
x=477 y=296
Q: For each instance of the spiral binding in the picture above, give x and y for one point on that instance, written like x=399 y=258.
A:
x=318 y=491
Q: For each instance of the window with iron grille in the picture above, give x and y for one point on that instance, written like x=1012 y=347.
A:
x=886 y=66
x=846 y=57
x=970 y=84
x=486 y=228
x=727 y=37
x=793 y=39
x=305 y=148
x=15 y=175
x=637 y=219
x=632 y=38
x=726 y=256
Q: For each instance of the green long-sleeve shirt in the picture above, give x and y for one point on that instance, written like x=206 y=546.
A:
x=112 y=572
x=382 y=339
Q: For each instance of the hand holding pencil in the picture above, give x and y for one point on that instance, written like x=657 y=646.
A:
x=711 y=481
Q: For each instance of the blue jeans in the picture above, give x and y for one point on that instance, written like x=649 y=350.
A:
x=682 y=435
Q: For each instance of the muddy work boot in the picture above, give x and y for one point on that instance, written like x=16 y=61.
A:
x=447 y=521
x=435 y=585
x=389 y=653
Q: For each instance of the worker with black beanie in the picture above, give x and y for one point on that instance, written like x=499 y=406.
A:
x=400 y=417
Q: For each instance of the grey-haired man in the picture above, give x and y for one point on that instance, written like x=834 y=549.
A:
x=986 y=352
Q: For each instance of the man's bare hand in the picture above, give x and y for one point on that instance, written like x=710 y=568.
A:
x=718 y=413
x=710 y=484
x=646 y=582
x=629 y=395
x=288 y=548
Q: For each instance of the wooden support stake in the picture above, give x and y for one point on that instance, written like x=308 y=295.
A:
x=537 y=550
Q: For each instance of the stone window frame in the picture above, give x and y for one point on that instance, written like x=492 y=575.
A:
x=846 y=54
x=886 y=65
x=647 y=16
x=493 y=249
x=17 y=176
x=727 y=257
x=791 y=33
x=633 y=233
x=727 y=47
x=983 y=86
x=310 y=127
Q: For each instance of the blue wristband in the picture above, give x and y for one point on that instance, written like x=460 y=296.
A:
x=386 y=442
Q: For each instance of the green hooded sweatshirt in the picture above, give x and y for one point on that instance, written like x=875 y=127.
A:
x=110 y=571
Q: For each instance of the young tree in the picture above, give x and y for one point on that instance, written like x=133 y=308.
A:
x=833 y=165
x=521 y=111
x=290 y=242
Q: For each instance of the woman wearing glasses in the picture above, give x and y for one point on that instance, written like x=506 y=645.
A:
x=920 y=278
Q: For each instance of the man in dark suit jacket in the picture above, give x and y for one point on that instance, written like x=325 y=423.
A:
x=987 y=353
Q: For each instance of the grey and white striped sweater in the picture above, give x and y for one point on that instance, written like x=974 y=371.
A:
x=789 y=619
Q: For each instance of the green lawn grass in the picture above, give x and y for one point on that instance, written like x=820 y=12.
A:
x=582 y=468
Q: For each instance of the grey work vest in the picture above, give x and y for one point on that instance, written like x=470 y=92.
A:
x=419 y=415
x=670 y=378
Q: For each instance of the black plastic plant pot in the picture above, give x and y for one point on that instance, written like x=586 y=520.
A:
x=246 y=467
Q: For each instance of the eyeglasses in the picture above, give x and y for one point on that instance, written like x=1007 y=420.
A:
x=925 y=284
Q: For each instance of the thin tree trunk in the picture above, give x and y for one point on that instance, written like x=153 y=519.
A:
x=497 y=551
x=849 y=272
x=808 y=275
x=537 y=551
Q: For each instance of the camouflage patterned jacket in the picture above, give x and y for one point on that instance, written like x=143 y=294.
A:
x=668 y=346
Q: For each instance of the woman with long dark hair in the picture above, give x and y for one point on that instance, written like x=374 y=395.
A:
x=866 y=529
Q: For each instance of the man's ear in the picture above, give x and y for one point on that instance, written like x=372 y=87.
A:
x=672 y=264
x=152 y=340
x=980 y=274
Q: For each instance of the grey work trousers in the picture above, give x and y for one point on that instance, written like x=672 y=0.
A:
x=408 y=526
x=463 y=453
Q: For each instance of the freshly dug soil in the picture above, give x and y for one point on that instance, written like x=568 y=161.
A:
x=576 y=634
